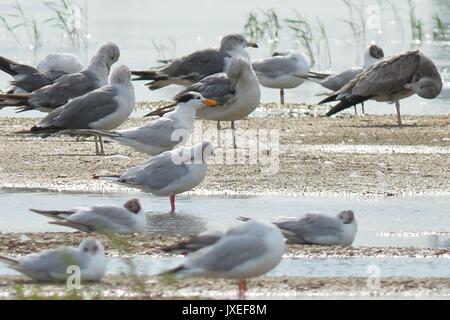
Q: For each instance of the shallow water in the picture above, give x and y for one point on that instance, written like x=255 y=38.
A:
x=302 y=267
x=399 y=221
x=135 y=25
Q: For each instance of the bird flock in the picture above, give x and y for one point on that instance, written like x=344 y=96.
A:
x=221 y=85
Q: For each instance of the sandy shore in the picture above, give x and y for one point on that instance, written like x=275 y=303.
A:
x=362 y=156
x=148 y=244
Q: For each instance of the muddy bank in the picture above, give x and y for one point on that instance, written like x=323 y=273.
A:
x=131 y=287
x=362 y=156
x=147 y=244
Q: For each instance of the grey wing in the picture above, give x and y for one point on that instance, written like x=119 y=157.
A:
x=157 y=133
x=228 y=253
x=274 y=67
x=105 y=216
x=157 y=173
x=308 y=228
x=196 y=65
x=389 y=75
x=79 y=113
x=215 y=87
x=51 y=264
x=336 y=82
x=66 y=87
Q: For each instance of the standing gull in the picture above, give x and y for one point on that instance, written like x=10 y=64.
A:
x=130 y=218
x=53 y=265
x=392 y=79
x=105 y=108
x=68 y=86
x=190 y=69
x=284 y=70
x=162 y=134
x=170 y=173
x=319 y=229
x=335 y=82
x=237 y=91
x=245 y=251
x=27 y=78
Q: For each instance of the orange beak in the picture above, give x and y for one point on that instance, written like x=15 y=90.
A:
x=210 y=102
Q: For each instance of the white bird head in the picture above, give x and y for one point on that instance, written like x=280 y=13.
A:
x=426 y=88
x=235 y=41
x=121 y=75
x=195 y=100
x=91 y=247
x=133 y=206
x=373 y=54
x=347 y=216
x=109 y=53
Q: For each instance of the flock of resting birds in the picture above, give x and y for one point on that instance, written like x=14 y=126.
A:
x=221 y=85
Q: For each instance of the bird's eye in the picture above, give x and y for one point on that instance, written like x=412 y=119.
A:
x=86 y=249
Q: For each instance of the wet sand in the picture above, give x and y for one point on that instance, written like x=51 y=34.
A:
x=354 y=156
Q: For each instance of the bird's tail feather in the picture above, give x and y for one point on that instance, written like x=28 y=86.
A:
x=5 y=66
x=244 y=219
x=346 y=103
x=161 y=111
x=9 y=261
x=71 y=224
x=113 y=178
x=331 y=98
x=52 y=213
x=145 y=75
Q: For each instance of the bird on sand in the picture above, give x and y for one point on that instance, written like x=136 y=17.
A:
x=169 y=173
x=390 y=80
x=69 y=86
x=54 y=265
x=105 y=108
x=237 y=91
x=190 y=69
x=284 y=70
x=318 y=229
x=248 y=250
x=161 y=134
x=129 y=218
x=373 y=54
x=27 y=78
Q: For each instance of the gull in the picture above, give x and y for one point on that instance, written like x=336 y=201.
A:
x=190 y=69
x=284 y=70
x=27 y=78
x=237 y=92
x=105 y=108
x=162 y=134
x=169 y=173
x=373 y=54
x=319 y=229
x=248 y=250
x=390 y=80
x=54 y=265
x=104 y=219
x=69 y=86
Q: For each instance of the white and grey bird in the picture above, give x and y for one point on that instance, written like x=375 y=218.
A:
x=319 y=229
x=162 y=134
x=390 y=80
x=129 y=218
x=248 y=250
x=373 y=54
x=53 y=265
x=284 y=70
x=237 y=92
x=105 y=108
x=189 y=69
x=169 y=173
x=69 y=86
x=27 y=78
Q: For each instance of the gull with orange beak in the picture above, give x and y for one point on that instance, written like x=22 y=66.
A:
x=162 y=134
